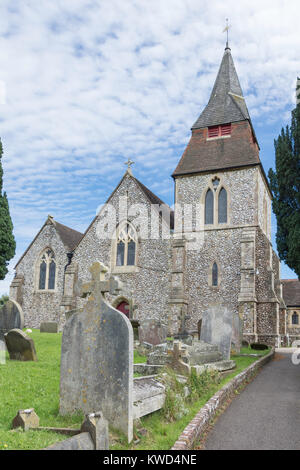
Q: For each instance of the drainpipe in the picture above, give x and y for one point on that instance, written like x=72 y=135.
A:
x=70 y=256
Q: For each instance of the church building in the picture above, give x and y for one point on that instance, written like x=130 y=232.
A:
x=213 y=253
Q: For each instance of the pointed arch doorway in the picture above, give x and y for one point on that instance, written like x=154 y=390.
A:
x=123 y=307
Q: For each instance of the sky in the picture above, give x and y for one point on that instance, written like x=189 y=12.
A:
x=85 y=85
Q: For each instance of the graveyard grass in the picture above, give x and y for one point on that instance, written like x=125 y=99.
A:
x=36 y=385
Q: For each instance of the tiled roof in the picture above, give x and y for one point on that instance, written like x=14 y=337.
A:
x=69 y=236
x=202 y=154
x=156 y=200
x=226 y=103
x=291 y=292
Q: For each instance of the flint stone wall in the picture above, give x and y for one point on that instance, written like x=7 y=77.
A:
x=39 y=306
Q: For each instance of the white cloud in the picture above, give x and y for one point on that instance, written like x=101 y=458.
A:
x=91 y=83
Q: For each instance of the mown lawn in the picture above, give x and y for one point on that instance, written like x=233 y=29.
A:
x=36 y=385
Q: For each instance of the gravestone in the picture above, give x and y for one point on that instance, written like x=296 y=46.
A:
x=20 y=346
x=11 y=317
x=152 y=331
x=97 y=356
x=217 y=328
x=48 y=327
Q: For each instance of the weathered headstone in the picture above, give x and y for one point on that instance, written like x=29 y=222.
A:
x=20 y=346
x=11 y=316
x=48 y=327
x=217 y=328
x=152 y=331
x=97 y=357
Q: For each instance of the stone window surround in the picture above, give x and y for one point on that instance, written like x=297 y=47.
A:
x=37 y=274
x=216 y=192
x=123 y=269
x=210 y=275
x=291 y=313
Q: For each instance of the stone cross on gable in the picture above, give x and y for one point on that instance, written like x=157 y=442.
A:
x=98 y=285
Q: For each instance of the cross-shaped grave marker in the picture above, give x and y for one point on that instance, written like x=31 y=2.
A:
x=95 y=288
x=176 y=360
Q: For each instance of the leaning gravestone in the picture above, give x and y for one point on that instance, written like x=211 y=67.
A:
x=11 y=316
x=97 y=357
x=20 y=346
x=217 y=328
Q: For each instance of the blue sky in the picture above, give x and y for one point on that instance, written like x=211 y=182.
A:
x=85 y=85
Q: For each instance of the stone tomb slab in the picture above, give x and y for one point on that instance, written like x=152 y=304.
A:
x=20 y=346
x=148 y=396
x=49 y=327
x=217 y=328
x=97 y=358
x=11 y=317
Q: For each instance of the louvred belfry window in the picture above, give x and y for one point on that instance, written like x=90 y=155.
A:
x=219 y=131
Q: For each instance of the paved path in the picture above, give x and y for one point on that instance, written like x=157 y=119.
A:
x=266 y=415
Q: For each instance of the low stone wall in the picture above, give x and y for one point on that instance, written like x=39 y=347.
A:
x=198 y=425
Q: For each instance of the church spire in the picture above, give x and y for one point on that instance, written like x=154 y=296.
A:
x=226 y=103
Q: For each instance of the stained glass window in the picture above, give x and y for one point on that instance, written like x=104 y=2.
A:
x=295 y=318
x=222 y=207
x=209 y=207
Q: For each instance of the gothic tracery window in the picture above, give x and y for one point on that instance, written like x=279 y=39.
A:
x=126 y=245
x=216 y=204
x=222 y=206
x=209 y=207
x=47 y=270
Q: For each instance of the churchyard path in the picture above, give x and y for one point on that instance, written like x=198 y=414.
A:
x=266 y=415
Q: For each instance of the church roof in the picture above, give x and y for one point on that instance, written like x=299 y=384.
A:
x=291 y=292
x=226 y=103
x=155 y=200
x=68 y=236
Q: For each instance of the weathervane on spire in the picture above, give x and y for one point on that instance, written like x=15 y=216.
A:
x=129 y=163
x=227 y=27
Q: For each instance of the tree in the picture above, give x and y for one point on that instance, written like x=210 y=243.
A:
x=7 y=240
x=285 y=185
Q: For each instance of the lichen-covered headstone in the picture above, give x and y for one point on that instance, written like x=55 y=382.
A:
x=97 y=357
x=20 y=346
x=217 y=328
x=11 y=316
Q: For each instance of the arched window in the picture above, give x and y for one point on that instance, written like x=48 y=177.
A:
x=126 y=245
x=47 y=270
x=214 y=280
x=295 y=319
x=222 y=206
x=209 y=207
